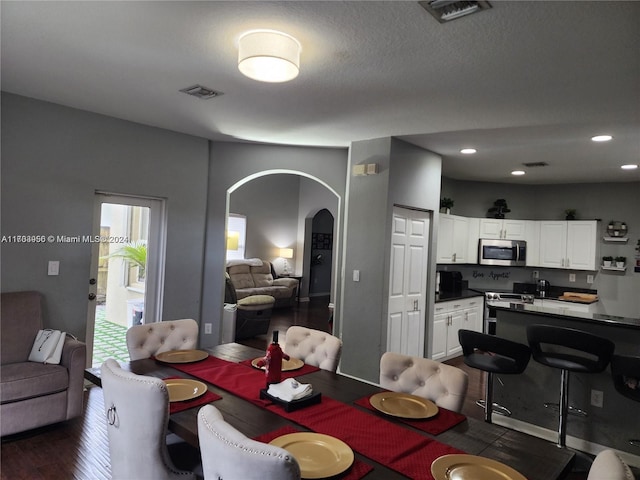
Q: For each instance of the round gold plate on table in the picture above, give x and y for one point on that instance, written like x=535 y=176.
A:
x=472 y=467
x=181 y=389
x=403 y=405
x=287 y=365
x=182 y=356
x=319 y=456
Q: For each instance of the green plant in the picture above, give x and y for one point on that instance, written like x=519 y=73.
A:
x=135 y=253
x=446 y=202
x=607 y=258
x=621 y=259
x=570 y=213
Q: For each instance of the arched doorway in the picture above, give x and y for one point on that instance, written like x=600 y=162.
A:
x=321 y=250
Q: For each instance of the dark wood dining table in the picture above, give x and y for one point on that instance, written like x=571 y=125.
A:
x=533 y=457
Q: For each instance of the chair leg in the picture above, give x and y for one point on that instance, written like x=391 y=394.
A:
x=488 y=398
x=564 y=408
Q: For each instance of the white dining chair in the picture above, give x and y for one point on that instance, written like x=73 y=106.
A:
x=443 y=384
x=227 y=454
x=144 y=341
x=137 y=414
x=609 y=466
x=314 y=347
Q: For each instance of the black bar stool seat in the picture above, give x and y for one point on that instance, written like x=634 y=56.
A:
x=625 y=372
x=493 y=354
x=596 y=355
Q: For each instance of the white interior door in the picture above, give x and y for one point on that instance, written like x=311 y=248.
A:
x=408 y=281
x=127 y=263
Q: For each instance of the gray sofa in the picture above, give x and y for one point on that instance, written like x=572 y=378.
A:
x=34 y=394
x=257 y=277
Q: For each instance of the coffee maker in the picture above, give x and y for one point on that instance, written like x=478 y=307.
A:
x=542 y=288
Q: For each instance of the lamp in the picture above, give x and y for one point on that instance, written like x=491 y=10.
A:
x=269 y=56
x=233 y=239
x=286 y=253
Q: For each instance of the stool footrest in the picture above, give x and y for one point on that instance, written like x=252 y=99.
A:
x=572 y=410
x=497 y=408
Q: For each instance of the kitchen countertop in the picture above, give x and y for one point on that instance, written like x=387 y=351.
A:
x=457 y=295
x=594 y=313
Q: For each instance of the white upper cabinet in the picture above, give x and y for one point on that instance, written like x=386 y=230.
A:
x=453 y=239
x=502 y=228
x=569 y=244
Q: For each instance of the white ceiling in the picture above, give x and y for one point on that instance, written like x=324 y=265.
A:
x=524 y=81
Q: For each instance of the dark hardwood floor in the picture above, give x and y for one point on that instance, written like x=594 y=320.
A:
x=78 y=449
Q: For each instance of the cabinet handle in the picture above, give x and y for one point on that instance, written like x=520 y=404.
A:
x=568 y=263
x=454 y=257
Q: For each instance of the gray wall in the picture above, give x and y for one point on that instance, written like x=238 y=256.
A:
x=232 y=163
x=609 y=201
x=408 y=176
x=54 y=158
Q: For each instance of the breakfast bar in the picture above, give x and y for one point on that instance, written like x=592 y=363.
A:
x=599 y=415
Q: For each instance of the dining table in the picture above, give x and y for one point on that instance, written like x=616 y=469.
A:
x=230 y=381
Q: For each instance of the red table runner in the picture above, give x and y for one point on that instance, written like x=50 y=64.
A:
x=443 y=421
x=358 y=470
x=387 y=443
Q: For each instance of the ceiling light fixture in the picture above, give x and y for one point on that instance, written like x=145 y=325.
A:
x=517 y=172
x=631 y=166
x=468 y=151
x=601 y=138
x=269 y=56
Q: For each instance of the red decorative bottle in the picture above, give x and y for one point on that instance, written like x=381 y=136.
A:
x=272 y=361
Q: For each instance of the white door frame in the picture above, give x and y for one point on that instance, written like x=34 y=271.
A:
x=156 y=247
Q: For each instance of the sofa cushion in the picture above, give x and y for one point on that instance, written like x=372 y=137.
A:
x=241 y=276
x=262 y=275
x=21 y=317
x=275 y=292
x=30 y=379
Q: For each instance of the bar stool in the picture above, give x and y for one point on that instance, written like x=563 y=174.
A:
x=597 y=350
x=493 y=354
x=625 y=372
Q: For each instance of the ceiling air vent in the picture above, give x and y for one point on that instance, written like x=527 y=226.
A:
x=201 y=92
x=447 y=10
x=536 y=164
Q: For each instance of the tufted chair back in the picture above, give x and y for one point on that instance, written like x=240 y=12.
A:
x=137 y=411
x=608 y=465
x=143 y=341
x=228 y=455
x=443 y=384
x=314 y=347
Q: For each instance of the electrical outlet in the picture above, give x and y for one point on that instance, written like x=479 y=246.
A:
x=597 y=398
x=207 y=328
x=589 y=279
x=536 y=274
x=572 y=277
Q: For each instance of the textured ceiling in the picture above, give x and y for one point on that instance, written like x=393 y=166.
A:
x=524 y=81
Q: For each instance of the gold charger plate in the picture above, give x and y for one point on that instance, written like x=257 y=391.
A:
x=181 y=389
x=472 y=467
x=182 y=356
x=287 y=365
x=403 y=405
x=319 y=456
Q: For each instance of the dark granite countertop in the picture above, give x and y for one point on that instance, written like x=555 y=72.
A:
x=593 y=313
x=457 y=295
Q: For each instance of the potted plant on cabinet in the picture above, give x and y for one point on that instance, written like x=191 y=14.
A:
x=446 y=204
x=606 y=260
x=570 y=214
x=620 y=261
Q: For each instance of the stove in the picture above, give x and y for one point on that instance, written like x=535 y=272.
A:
x=501 y=299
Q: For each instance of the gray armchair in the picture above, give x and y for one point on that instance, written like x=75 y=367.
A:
x=34 y=394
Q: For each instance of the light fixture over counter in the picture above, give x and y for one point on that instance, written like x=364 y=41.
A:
x=269 y=56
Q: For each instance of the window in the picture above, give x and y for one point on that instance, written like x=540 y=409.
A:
x=236 y=236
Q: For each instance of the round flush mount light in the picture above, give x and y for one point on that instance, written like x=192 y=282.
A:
x=629 y=167
x=269 y=56
x=468 y=151
x=601 y=138
x=517 y=172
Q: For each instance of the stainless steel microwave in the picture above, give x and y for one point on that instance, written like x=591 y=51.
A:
x=509 y=253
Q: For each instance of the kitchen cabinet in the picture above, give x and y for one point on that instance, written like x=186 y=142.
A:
x=457 y=239
x=569 y=244
x=502 y=228
x=448 y=318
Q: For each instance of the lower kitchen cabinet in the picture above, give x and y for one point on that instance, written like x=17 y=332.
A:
x=448 y=318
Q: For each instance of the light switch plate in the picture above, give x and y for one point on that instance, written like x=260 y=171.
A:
x=356 y=275
x=572 y=277
x=53 y=268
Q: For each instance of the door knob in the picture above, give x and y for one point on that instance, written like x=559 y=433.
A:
x=92 y=296
x=92 y=281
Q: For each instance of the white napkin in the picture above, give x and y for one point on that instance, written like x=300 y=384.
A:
x=289 y=390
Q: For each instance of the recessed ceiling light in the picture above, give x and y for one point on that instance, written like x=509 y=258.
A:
x=629 y=167
x=468 y=151
x=517 y=172
x=601 y=138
